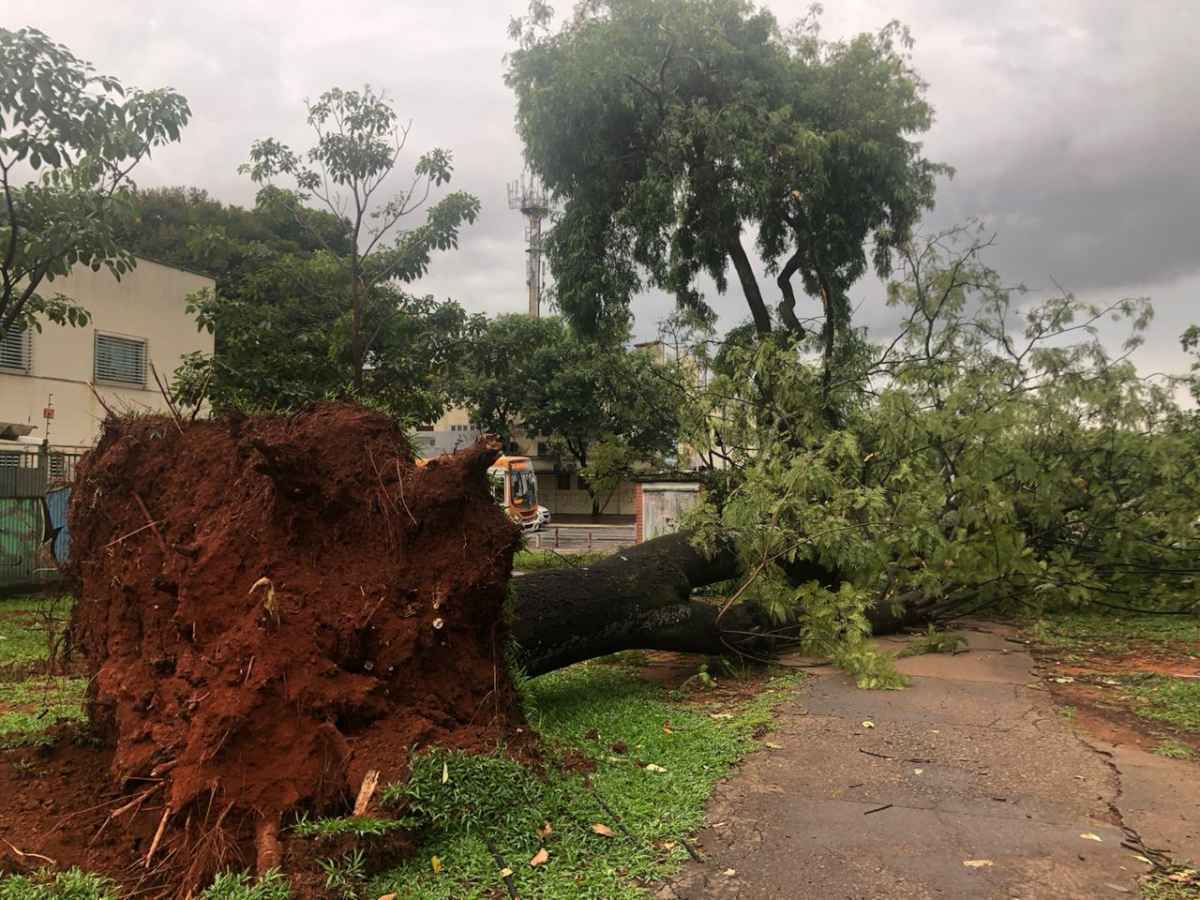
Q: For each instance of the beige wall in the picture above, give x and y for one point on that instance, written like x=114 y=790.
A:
x=147 y=303
x=577 y=502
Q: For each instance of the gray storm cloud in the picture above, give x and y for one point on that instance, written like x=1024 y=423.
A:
x=1074 y=125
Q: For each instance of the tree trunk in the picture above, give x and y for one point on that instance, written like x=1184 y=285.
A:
x=745 y=273
x=640 y=598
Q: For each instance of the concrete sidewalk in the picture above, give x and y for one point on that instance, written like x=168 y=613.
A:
x=967 y=784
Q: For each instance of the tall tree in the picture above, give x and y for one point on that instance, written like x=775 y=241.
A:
x=359 y=140
x=502 y=375
x=604 y=408
x=668 y=128
x=279 y=312
x=75 y=136
x=184 y=226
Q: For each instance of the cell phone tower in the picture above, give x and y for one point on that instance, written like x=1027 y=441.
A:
x=529 y=196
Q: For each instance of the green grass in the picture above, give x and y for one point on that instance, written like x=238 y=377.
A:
x=1175 y=701
x=935 y=641
x=1173 y=749
x=45 y=702
x=535 y=560
x=466 y=802
x=362 y=826
x=1115 y=632
x=72 y=884
x=1181 y=884
x=23 y=638
x=239 y=886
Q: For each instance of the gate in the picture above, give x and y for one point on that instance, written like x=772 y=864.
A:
x=34 y=492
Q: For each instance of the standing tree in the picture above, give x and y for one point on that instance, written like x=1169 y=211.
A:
x=79 y=135
x=605 y=409
x=279 y=314
x=502 y=376
x=668 y=128
x=358 y=143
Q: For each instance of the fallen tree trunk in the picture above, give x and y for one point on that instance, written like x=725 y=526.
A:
x=641 y=599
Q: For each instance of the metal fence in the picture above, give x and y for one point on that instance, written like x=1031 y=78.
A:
x=34 y=494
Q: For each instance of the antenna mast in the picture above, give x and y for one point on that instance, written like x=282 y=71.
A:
x=529 y=196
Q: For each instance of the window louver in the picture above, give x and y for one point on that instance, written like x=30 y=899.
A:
x=14 y=349
x=120 y=360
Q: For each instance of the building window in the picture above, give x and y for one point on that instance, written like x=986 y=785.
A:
x=120 y=360
x=14 y=349
x=564 y=481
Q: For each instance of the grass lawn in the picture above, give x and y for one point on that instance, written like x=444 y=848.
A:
x=1175 y=701
x=29 y=708
x=535 y=560
x=1117 y=633
x=608 y=832
x=23 y=638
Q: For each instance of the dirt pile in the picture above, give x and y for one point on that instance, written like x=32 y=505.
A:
x=271 y=607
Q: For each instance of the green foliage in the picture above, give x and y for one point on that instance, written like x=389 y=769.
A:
x=989 y=455
x=271 y=885
x=585 y=708
x=46 y=884
x=604 y=408
x=666 y=127
x=81 y=134
x=503 y=372
x=934 y=640
x=279 y=314
x=358 y=143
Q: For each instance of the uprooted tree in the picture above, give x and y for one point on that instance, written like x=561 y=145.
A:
x=988 y=457
x=989 y=451
x=299 y=590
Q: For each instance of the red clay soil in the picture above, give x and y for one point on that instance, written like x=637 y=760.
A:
x=269 y=608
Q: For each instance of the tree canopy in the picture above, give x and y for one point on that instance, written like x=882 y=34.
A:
x=280 y=315
x=359 y=140
x=993 y=454
x=606 y=410
x=668 y=129
x=75 y=136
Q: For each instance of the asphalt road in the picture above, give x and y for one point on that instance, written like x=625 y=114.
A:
x=968 y=784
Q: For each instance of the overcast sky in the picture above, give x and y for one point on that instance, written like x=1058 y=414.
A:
x=1074 y=125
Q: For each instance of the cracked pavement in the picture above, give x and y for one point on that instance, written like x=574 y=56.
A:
x=967 y=784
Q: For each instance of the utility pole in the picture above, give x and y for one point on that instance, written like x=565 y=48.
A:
x=529 y=196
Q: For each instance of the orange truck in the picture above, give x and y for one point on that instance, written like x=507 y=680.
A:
x=514 y=485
